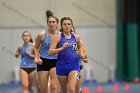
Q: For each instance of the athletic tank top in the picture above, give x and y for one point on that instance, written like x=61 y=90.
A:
x=26 y=61
x=68 y=55
x=45 y=48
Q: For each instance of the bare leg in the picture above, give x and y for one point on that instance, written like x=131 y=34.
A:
x=31 y=82
x=54 y=84
x=37 y=83
x=43 y=79
x=63 y=83
x=24 y=80
x=78 y=85
x=72 y=81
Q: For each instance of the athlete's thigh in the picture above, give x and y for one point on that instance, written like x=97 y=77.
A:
x=43 y=78
x=73 y=78
x=31 y=80
x=53 y=75
x=24 y=77
x=63 y=83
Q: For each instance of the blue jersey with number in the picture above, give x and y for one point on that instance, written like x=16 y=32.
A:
x=26 y=61
x=69 y=55
x=45 y=48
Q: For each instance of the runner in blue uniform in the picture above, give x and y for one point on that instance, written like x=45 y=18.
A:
x=67 y=67
x=46 y=64
x=27 y=65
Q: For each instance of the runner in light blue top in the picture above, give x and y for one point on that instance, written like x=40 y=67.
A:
x=27 y=61
x=27 y=65
x=45 y=45
x=46 y=64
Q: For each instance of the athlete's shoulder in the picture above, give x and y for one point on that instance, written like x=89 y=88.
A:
x=76 y=35
x=41 y=36
x=32 y=44
x=20 y=47
x=57 y=36
x=42 y=33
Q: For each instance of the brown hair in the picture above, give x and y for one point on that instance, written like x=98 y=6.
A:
x=67 y=18
x=49 y=14
x=31 y=40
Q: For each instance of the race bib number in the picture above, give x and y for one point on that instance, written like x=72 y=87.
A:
x=74 y=46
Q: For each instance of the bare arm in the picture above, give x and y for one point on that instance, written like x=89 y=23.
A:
x=37 y=46
x=80 y=48
x=53 y=49
x=17 y=54
x=28 y=52
x=84 y=51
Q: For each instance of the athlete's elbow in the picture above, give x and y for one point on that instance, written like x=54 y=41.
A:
x=16 y=55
